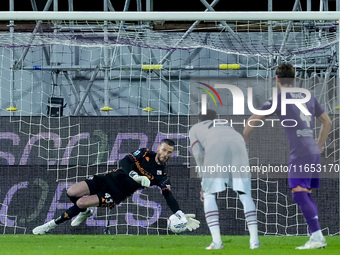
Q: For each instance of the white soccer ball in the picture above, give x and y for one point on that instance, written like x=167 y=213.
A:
x=176 y=225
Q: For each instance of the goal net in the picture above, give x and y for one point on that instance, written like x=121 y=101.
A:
x=76 y=96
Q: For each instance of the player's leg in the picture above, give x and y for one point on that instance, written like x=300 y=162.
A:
x=211 y=185
x=78 y=190
x=317 y=234
x=74 y=210
x=83 y=204
x=85 y=195
x=241 y=183
x=212 y=218
x=75 y=193
x=301 y=186
x=217 y=153
x=250 y=214
x=307 y=206
x=304 y=200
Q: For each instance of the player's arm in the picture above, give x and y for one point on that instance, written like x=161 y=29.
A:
x=324 y=130
x=188 y=219
x=197 y=152
x=170 y=200
x=196 y=148
x=163 y=183
x=128 y=164
x=249 y=129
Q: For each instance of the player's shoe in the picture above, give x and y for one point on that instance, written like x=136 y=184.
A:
x=43 y=229
x=254 y=245
x=215 y=246
x=81 y=217
x=313 y=244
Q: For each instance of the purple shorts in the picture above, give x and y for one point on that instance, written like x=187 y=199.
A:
x=305 y=171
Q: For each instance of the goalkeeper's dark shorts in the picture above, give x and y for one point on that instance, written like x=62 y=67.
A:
x=107 y=192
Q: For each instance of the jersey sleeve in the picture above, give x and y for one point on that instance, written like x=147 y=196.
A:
x=171 y=201
x=128 y=163
x=163 y=181
x=196 y=148
x=164 y=184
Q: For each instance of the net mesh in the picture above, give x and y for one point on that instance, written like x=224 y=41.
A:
x=60 y=72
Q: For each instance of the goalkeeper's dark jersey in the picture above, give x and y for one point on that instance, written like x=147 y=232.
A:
x=143 y=162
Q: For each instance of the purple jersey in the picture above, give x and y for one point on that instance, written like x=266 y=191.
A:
x=300 y=138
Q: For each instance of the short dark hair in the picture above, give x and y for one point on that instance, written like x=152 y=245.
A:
x=168 y=142
x=285 y=73
x=211 y=115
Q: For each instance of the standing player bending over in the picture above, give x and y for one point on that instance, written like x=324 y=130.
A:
x=139 y=170
x=304 y=151
x=222 y=146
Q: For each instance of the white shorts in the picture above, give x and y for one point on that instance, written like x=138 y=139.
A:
x=214 y=185
x=225 y=162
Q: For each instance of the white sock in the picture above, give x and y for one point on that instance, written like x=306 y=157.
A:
x=251 y=217
x=212 y=217
x=317 y=235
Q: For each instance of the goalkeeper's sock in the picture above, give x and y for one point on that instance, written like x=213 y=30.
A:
x=69 y=214
x=212 y=217
x=308 y=209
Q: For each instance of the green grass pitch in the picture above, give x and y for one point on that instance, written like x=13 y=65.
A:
x=154 y=245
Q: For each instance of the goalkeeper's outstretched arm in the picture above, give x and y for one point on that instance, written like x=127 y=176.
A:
x=170 y=200
x=188 y=219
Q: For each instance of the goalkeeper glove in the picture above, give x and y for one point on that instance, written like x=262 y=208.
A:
x=188 y=220
x=142 y=180
x=192 y=224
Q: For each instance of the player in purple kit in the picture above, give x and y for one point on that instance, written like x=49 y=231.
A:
x=304 y=150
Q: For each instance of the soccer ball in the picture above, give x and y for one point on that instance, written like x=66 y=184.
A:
x=176 y=225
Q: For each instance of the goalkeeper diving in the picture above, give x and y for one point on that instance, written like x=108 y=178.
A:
x=138 y=170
